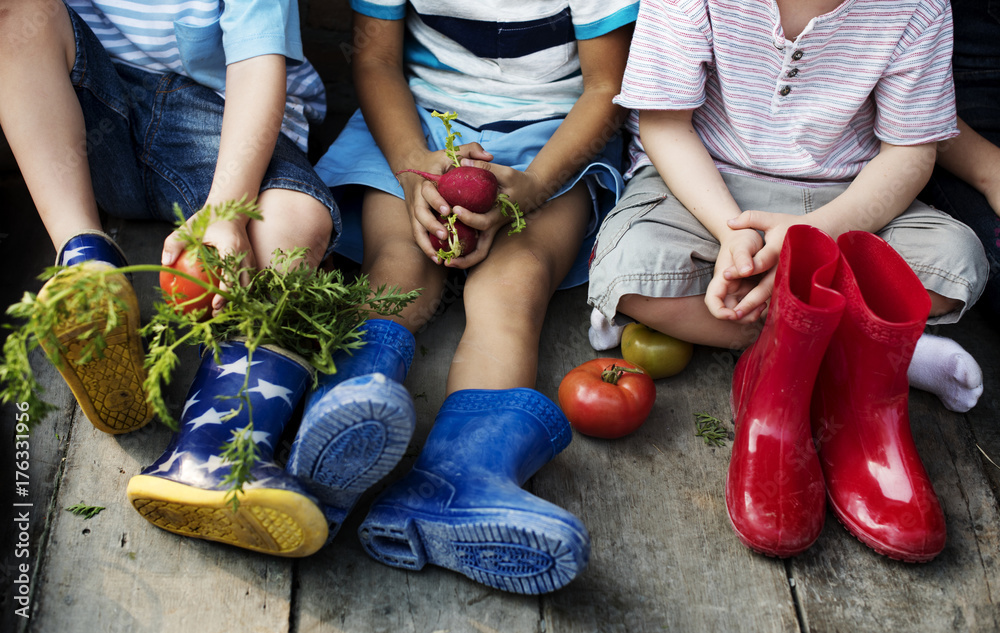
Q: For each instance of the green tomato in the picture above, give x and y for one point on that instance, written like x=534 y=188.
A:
x=661 y=355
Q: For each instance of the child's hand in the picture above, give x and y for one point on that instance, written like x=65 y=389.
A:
x=727 y=294
x=228 y=237
x=765 y=260
x=490 y=223
x=774 y=226
x=424 y=203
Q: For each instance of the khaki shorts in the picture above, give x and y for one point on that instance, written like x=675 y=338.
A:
x=651 y=245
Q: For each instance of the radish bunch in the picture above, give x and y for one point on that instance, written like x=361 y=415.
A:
x=473 y=188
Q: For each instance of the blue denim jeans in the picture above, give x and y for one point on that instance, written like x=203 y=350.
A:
x=153 y=139
x=977 y=87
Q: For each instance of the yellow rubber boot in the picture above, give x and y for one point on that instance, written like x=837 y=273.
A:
x=108 y=385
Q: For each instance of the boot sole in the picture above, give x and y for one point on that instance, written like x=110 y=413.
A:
x=271 y=521
x=108 y=389
x=769 y=552
x=879 y=547
x=512 y=551
x=359 y=434
x=773 y=552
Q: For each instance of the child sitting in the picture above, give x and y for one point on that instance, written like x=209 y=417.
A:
x=532 y=82
x=193 y=104
x=753 y=116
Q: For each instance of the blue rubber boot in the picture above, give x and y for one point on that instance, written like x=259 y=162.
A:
x=183 y=491
x=108 y=386
x=462 y=506
x=357 y=423
x=91 y=246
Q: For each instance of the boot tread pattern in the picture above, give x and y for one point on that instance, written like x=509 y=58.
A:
x=351 y=449
x=252 y=527
x=351 y=454
x=109 y=389
x=508 y=557
x=112 y=384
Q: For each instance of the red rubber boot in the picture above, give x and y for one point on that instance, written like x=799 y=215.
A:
x=774 y=488
x=876 y=483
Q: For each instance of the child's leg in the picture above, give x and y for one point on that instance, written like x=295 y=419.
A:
x=392 y=257
x=507 y=295
x=485 y=429
x=688 y=319
x=41 y=116
x=290 y=219
x=653 y=261
x=297 y=208
x=49 y=113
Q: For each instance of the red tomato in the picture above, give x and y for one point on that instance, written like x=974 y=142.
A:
x=184 y=293
x=607 y=397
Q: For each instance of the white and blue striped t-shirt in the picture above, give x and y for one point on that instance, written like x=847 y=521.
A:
x=814 y=110
x=198 y=38
x=497 y=62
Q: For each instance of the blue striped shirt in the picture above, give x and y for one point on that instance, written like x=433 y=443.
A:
x=496 y=62
x=198 y=38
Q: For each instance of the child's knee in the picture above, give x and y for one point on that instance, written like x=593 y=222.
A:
x=292 y=219
x=520 y=273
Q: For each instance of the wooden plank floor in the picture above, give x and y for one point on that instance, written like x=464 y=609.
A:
x=664 y=557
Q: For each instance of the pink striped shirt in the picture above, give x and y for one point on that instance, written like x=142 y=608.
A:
x=814 y=110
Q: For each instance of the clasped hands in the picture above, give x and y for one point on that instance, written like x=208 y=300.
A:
x=743 y=280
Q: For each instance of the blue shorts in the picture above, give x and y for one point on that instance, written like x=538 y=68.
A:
x=153 y=139
x=355 y=159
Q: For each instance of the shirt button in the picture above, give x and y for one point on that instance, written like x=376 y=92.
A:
x=785 y=90
x=792 y=72
x=797 y=55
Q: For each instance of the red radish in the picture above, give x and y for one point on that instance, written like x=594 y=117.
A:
x=462 y=239
x=472 y=188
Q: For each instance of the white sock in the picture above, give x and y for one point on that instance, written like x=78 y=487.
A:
x=604 y=334
x=942 y=367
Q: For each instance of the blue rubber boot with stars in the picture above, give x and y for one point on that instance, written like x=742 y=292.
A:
x=185 y=492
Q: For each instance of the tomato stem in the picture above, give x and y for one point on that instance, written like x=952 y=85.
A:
x=613 y=373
